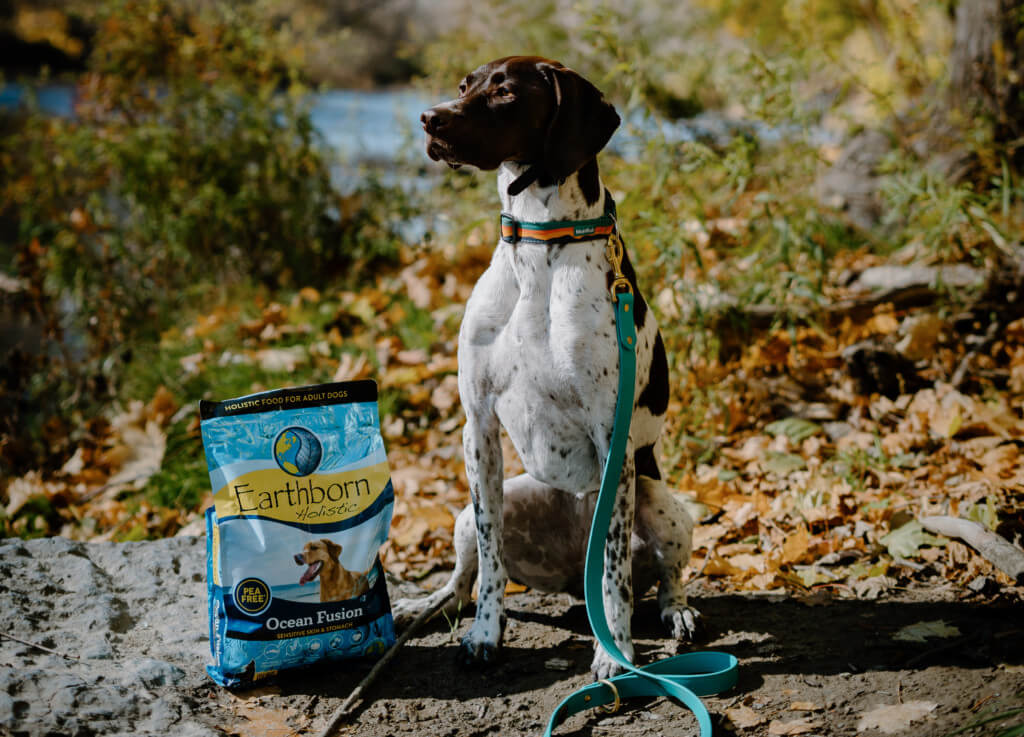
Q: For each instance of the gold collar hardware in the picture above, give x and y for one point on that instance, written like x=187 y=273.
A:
x=613 y=250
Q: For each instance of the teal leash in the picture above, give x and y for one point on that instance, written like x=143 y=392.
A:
x=683 y=677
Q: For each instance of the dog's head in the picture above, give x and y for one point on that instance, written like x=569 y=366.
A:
x=525 y=109
x=315 y=554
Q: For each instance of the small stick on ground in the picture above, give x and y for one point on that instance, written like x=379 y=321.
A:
x=37 y=646
x=960 y=375
x=339 y=713
x=1001 y=553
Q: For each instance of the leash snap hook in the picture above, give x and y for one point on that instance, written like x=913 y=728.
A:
x=614 y=251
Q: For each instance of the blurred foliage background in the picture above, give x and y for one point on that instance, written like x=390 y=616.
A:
x=187 y=232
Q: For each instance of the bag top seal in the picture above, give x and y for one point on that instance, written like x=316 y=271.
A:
x=342 y=392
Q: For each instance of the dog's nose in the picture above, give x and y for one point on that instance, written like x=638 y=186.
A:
x=433 y=120
x=300 y=559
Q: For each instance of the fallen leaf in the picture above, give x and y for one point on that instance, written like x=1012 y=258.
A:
x=446 y=395
x=162 y=406
x=861 y=440
x=262 y=722
x=559 y=664
x=309 y=294
x=191 y=363
x=947 y=419
x=796 y=429
x=797 y=546
x=139 y=448
x=29 y=486
x=75 y=464
x=883 y=323
x=715 y=565
x=416 y=287
x=412 y=357
x=782 y=463
x=805 y=706
x=282 y=360
x=748 y=561
x=739 y=511
x=10 y=284
x=894 y=718
x=797 y=726
x=985 y=513
x=764 y=581
x=905 y=541
x=921 y=332
x=871 y=588
x=705 y=535
x=743 y=717
x=351 y=368
x=812 y=576
x=421 y=519
x=736 y=549
x=409 y=479
x=921 y=631
x=750 y=451
x=403 y=376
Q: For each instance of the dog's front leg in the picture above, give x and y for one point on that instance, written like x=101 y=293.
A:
x=617 y=581
x=482 y=445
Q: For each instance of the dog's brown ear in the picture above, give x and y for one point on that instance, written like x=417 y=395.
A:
x=582 y=123
x=333 y=549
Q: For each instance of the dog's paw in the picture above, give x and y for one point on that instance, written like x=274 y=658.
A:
x=604 y=667
x=682 y=622
x=482 y=644
x=474 y=654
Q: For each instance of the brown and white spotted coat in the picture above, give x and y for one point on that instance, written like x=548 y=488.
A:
x=538 y=356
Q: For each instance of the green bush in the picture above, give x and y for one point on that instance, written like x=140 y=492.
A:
x=191 y=162
x=191 y=154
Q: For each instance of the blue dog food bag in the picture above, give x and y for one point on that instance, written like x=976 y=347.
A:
x=302 y=504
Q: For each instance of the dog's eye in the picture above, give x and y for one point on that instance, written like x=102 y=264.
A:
x=503 y=91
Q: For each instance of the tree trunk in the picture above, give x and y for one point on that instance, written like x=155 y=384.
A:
x=987 y=65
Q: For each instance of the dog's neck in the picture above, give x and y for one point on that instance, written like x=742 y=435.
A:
x=544 y=201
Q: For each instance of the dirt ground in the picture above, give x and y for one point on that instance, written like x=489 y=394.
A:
x=120 y=645
x=819 y=666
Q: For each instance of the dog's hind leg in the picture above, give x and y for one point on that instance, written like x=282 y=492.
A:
x=668 y=528
x=545 y=533
x=460 y=584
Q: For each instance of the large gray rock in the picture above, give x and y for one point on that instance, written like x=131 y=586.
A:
x=853 y=182
x=134 y=614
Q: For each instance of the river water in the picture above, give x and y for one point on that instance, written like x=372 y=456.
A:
x=381 y=126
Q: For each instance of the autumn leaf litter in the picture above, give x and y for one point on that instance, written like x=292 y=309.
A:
x=801 y=483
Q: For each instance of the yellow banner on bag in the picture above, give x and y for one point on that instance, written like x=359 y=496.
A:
x=317 y=498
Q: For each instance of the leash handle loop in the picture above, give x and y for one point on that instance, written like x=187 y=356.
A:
x=683 y=677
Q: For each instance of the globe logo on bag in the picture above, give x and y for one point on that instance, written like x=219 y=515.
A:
x=297 y=451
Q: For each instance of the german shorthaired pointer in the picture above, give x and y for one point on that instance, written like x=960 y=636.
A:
x=538 y=356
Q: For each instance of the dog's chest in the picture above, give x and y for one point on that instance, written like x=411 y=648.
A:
x=539 y=338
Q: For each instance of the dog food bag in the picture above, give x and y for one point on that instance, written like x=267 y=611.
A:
x=302 y=503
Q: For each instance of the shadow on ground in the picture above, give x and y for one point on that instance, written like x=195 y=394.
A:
x=842 y=656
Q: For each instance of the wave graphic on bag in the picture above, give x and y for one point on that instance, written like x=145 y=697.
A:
x=302 y=504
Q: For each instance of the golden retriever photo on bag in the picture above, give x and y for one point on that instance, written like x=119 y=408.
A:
x=337 y=583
